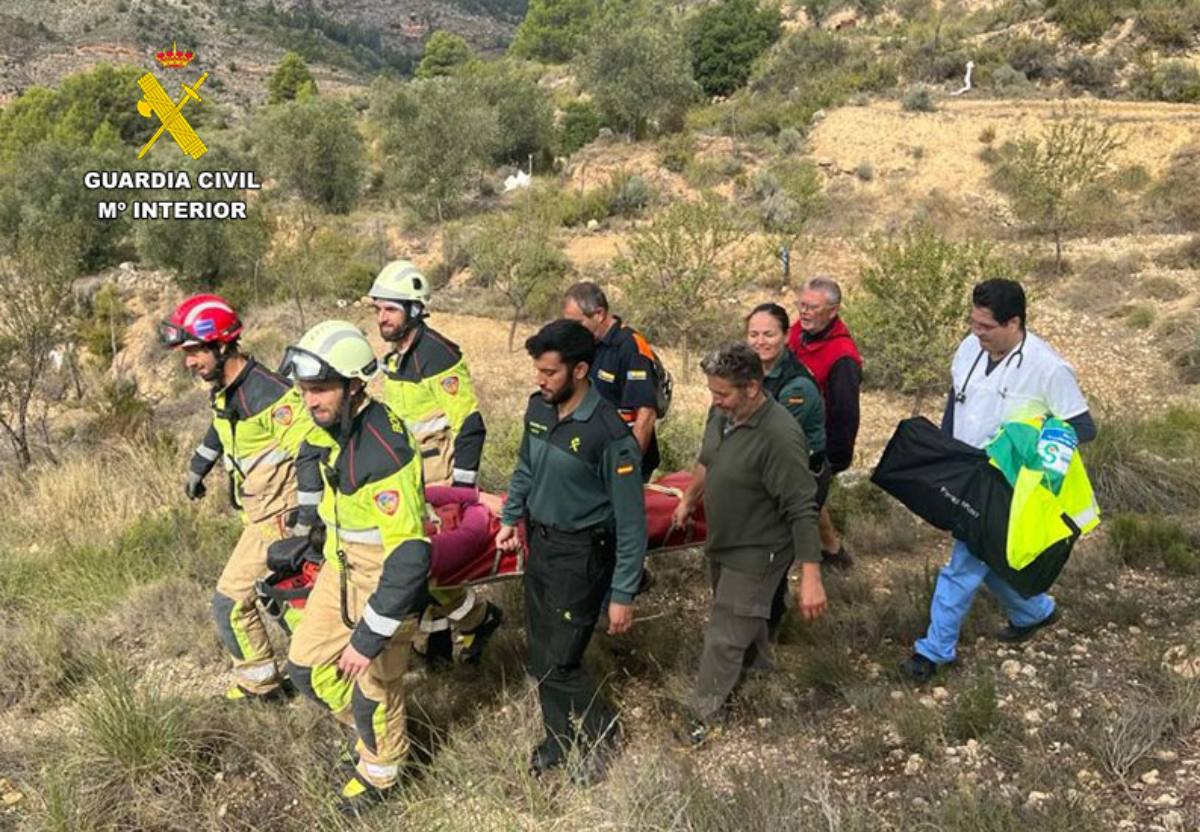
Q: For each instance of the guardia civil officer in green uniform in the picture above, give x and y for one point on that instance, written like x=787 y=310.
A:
x=426 y=382
x=578 y=487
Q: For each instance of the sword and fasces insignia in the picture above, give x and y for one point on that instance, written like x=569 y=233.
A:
x=156 y=102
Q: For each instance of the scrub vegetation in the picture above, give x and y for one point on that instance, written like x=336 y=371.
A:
x=696 y=159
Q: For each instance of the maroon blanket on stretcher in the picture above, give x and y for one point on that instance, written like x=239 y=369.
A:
x=465 y=550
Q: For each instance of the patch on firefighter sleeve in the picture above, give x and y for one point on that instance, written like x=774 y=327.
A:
x=388 y=501
x=636 y=375
x=795 y=400
x=625 y=468
x=450 y=385
x=283 y=415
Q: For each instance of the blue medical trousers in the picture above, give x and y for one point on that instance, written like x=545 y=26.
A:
x=957 y=584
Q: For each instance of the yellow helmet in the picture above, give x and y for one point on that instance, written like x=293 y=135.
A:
x=330 y=350
x=401 y=281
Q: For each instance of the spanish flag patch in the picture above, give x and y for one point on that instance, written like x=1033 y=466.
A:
x=625 y=468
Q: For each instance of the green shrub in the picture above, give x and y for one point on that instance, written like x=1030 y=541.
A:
x=1146 y=465
x=1035 y=58
x=1168 y=23
x=120 y=410
x=1140 y=317
x=790 y=141
x=1142 y=540
x=1176 y=81
x=1093 y=73
x=580 y=125
x=975 y=712
x=929 y=276
x=865 y=171
x=919 y=99
x=725 y=39
x=1006 y=77
x=1161 y=287
x=675 y=152
x=920 y=728
x=103 y=332
x=142 y=753
x=1084 y=21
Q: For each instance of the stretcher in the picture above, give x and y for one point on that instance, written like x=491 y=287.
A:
x=462 y=529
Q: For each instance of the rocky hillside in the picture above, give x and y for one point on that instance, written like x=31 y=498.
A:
x=239 y=41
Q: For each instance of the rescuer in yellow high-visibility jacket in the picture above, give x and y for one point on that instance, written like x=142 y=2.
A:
x=258 y=426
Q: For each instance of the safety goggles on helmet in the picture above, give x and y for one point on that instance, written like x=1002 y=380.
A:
x=302 y=365
x=170 y=335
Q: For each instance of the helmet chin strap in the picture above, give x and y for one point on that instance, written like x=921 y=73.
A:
x=349 y=405
x=414 y=313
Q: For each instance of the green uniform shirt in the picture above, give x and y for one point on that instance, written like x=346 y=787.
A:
x=759 y=496
x=581 y=472
x=790 y=383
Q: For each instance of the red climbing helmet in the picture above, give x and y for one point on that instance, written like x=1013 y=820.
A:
x=201 y=319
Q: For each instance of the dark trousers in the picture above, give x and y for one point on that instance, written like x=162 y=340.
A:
x=736 y=636
x=566 y=581
x=824 y=474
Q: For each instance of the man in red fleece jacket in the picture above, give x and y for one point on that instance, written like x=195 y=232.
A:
x=824 y=345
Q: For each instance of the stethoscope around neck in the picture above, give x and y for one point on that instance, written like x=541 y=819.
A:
x=1019 y=353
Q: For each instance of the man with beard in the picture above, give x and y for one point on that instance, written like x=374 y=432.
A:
x=578 y=487
x=351 y=648
x=258 y=426
x=427 y=384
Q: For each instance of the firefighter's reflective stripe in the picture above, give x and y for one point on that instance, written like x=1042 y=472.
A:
x=368 y=536
x=274 y=456
x=308 y=498
x=211 y=454
x=380 y=623
x=424 y=427
x=264 y=672
x=465 y=477
x=460 y=612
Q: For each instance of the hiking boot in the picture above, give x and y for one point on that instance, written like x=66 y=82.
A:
x=917 y=668
x=284 y=691
x=839 y=560
x=359 y=797
x=476 y=640
x=1012 y=634
x=594 y=765
x=439 y=651
x=545 y=758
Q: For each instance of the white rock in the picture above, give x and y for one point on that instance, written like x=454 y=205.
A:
x=1011 y=668
x=1150 y=778
x=1028 y=671
x=1171 y=821
x=1134 y=630
x=593 y=224
x=914 y=764
x=1165 y=801
x=1036 y=799
x=1165 y=755
x=928 y=702
x=1033 y=717
x=940 y=694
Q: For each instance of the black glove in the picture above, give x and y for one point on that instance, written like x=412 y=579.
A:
x=194 y=487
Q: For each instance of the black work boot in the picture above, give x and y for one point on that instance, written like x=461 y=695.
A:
x=1012 y=634
x=359 y=797
x=474 y=641
x=439 y=650
x=917 y=668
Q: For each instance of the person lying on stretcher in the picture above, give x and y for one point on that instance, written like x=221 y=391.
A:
x=462 y=526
